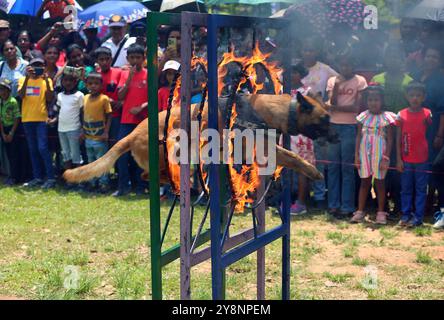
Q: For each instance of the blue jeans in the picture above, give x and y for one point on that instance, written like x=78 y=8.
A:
x=70 y=145
x=319 y=185
x=341 y=175
x=96 y=149
x=126 y=165
x=413 y=179
x=37 y=137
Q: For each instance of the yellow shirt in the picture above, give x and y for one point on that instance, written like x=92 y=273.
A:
x=94 y=115
x=34 y=102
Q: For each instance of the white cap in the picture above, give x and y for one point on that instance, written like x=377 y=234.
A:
x=171 y=64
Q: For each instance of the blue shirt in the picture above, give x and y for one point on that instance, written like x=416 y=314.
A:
x=13 y=75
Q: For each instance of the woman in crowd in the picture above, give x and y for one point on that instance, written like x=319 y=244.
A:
x=14 y=68
x=25 y=44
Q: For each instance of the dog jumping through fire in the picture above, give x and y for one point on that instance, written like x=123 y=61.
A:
x=307 y=115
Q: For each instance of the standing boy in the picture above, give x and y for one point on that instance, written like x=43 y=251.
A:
x=412 y=155
x=133 y=91
x=96 y=123
x=36 y=92
x=111 y=78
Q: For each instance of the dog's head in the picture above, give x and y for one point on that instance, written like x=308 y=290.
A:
x=313 y=120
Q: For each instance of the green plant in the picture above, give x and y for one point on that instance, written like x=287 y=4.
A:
x=423 y=231
x=423 y=257
x=357 y=261
x=338 y=278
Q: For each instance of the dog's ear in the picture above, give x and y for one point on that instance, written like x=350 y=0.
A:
x=305 y=106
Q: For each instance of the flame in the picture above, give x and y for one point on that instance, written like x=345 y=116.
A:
x=274 y=71
x=246 y=181
x=244 y=178
x=173 y=168
x=228 y=57
x=171 y=141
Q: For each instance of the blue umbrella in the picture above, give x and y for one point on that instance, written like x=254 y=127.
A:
x=98 y=15
x=25 y=7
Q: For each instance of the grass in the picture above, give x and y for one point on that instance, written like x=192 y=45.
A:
x=338 y=278
x=423 y=257
x=423 y=231
x=357 y=261
x=337 y=237
x=57 y=245
x=388 y=233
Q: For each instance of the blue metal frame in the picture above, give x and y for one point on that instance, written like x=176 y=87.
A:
x=219 y=259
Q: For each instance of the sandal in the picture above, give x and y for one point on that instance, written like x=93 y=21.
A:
x=358 y=217
x=381 y=217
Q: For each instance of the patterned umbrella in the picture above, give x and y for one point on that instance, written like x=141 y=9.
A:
x=98 y=15
x=323 y=15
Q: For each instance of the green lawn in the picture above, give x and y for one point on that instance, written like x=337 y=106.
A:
x=43 y=235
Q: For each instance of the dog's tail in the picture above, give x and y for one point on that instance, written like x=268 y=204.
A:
x=100 y=166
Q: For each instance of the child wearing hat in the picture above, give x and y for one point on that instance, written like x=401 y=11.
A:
x=36 y=91
x=9 y=121
x=167 y=76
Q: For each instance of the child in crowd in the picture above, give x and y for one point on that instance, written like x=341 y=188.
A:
x=300 y=144
x=133 y=90
x=69 y=106
x=374 y=142
x=111 y=78
x=345 y=96
x=9 y=121
x=96 y=123
x=76 y=59
x=36 y=92
x=394 y=80
x=169 y=71
x=316 y=79
x=412 y=151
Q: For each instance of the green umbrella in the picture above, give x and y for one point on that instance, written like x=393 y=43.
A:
x=251 y=2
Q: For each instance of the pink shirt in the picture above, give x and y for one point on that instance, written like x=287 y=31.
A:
x=347 y=95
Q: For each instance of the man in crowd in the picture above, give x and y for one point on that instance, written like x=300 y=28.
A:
x=119 y=41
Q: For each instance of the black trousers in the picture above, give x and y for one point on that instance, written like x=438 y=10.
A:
x=13 y=153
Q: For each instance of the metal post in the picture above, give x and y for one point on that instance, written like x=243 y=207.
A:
x=153 y=131
x=286 y=191
x=185 y=195
x=215 y=212
x=261 y=252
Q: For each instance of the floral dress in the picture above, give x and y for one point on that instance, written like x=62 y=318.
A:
x=373 y=142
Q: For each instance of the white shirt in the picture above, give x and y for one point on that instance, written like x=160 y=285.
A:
x=69 y=111
x=121 y=60
x=318 y=76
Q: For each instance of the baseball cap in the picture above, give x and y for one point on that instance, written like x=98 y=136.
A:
x=37 y=60
x=4 y=24
x=5 y=83
x=116 y=21
x=171 y=64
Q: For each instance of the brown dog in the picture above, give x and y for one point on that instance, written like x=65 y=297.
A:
x=311 y=120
